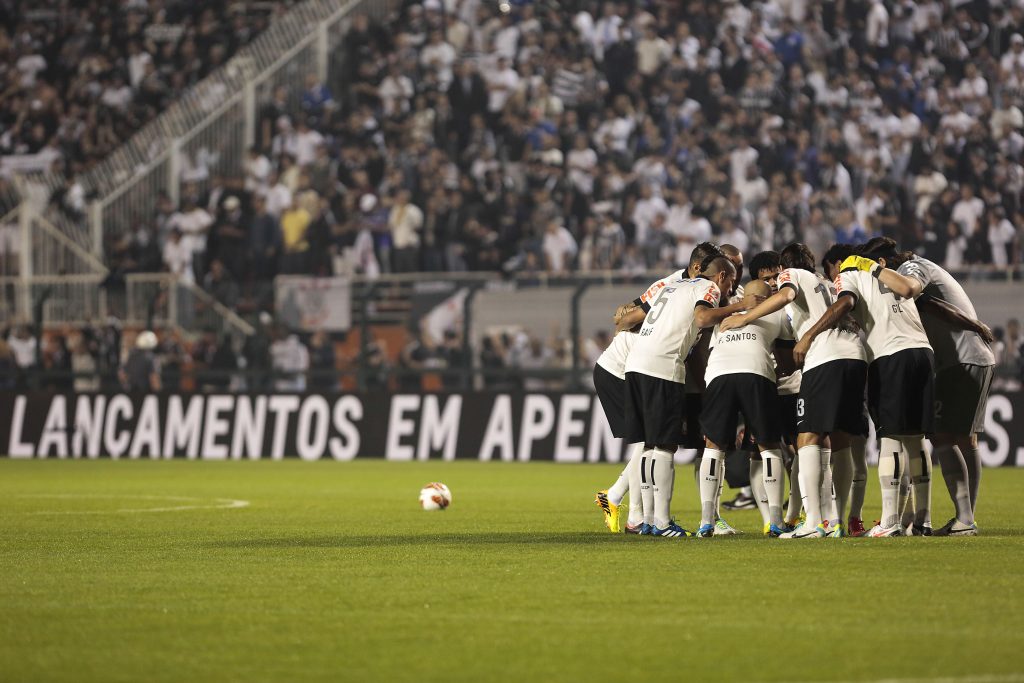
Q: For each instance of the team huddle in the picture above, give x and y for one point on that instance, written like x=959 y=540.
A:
x=794 y=357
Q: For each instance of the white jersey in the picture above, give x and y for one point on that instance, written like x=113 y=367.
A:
x=748 y=349
x=814 y=295
x=613 y=359
x=669 y=330
x=891 y=323
x=952 y=346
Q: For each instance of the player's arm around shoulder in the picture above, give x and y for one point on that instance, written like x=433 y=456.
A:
x=776 y=302
x=955 y=317
x=705 y=313
x=833 y=314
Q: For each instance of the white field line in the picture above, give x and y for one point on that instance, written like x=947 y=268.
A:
x=193 y=503
x=982 y=678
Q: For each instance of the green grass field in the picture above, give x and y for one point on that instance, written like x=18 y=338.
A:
x=333 y=573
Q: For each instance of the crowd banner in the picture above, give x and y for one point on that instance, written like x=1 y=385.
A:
x=485 y=426
x=313 y=303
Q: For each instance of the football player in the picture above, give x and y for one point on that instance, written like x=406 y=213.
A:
x=741 y=380
x=609 y=383
x=655 y=372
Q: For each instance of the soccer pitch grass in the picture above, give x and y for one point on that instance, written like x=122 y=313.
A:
x=333 y=573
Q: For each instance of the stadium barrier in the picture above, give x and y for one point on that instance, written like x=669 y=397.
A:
x=504 y=426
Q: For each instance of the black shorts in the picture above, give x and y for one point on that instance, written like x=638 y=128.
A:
x=961 y=394
x=832 y=398
x=788 y=405
x=729 y=396
x=611 y=392
x=901 y=393
x=693 y=435
x=653 y=409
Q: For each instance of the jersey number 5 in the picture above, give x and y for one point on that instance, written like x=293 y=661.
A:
x=658 y=305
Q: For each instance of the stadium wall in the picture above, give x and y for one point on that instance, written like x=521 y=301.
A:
x=486 y=426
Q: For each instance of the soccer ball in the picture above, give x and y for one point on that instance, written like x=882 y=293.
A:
x=435 y=496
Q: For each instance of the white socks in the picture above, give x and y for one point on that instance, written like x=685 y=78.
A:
x=646 y=492
x=773 y=471
x=757 y=489
x=810 y=483
x=859 y=484
x=721 y=485
x=663 y=477
x=891 y=465
x=827 y=495
x=618 y=490
x=793 y=511
x=842 y=476
x=921 y=479
x=708 y=481
x=954 y=473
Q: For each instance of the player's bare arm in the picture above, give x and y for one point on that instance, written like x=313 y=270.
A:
x=622 y=310
x=955 y=317
x=835 y=313
x=901 y=285
x=630 y=319
x=708 y=316
x=773 y=303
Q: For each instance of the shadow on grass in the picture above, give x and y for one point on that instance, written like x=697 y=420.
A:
x=563 y=538
x=567 y=538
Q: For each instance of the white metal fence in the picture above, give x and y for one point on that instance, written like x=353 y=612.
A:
x=208 y=131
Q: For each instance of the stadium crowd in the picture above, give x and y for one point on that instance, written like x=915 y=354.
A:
x=537 y=137
x=78 y=78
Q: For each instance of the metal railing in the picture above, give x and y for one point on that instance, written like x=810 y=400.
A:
x=208 y=130
x=162 y=300
x=203 y=133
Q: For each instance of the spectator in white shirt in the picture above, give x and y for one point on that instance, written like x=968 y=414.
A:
x=647 y=207
x=651 y=52
x=1001 y=238
x=559 y=248
x=395 y=92
x=878 y=25
x=405 y=220
x=279 y=197
x=23 y=347
x=438 y=55
x=290 y=359
x=306 y=142
x=733 y=234
x=968 y=210
x=501 y=83
x=177 y=257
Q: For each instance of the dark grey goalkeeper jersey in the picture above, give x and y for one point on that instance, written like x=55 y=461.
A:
x=951 y=346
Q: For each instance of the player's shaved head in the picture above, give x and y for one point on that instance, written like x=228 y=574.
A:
x=758 y=288
x=798 y=255
x=715 y=264
x=736 y=257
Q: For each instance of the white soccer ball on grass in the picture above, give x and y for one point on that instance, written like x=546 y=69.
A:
x=435 y=496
